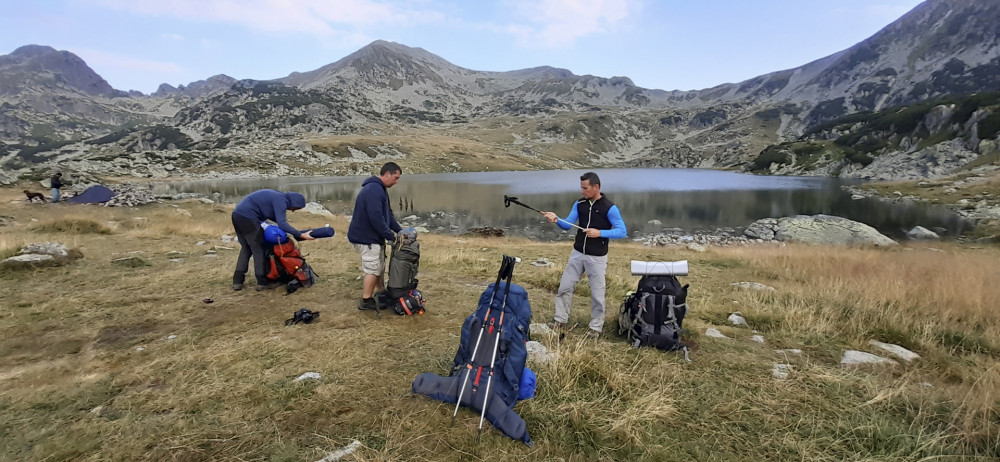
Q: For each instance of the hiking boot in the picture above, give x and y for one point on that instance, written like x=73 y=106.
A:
x=368 y=304
x=593 y=334
x=268 y=285
x=237 y=286
x=557 y=326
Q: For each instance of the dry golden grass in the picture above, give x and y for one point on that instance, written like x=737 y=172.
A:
x=89 y=369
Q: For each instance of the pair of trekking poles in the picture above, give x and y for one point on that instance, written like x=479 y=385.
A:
x=506 y=273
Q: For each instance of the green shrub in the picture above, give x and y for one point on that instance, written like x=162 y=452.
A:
x=111 y=137
x=771 y=155
x=858 y=157
x=807 y=149
x=990 y=126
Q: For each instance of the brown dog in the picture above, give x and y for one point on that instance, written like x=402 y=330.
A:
x=33 y=195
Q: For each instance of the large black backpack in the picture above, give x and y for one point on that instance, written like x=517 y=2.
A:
x=653 y=315
x=402 y=284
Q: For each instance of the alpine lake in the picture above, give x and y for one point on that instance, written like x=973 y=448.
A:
x=652 y=201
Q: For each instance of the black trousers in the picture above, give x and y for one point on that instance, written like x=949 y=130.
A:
x=251 y=237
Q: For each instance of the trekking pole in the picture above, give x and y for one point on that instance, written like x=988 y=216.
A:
x=496 y=347
x=563 y=335
x=507 y=200
x=489 y=378
x=468 y=366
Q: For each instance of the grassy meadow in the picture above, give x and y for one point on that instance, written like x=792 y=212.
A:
x=111 y=362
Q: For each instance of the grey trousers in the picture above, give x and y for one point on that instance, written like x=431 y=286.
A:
x=595 y=267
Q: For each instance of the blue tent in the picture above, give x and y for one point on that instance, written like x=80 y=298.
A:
x=93 y=195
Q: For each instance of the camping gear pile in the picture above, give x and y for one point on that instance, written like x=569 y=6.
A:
x=489 y=367
x=653 y=315
x=285 y=262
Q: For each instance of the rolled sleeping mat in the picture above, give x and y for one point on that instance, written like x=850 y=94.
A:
x=325 y=231
x=651 y=268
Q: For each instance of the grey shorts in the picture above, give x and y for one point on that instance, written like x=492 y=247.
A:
x=372 y=258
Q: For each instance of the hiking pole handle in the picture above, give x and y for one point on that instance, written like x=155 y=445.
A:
x=581 y=228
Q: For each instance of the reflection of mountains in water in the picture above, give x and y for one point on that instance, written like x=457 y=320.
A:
x=466 y=203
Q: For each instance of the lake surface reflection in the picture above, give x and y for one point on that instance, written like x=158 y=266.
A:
x=692 y=200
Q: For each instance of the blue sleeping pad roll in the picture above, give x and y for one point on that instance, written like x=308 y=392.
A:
x=318 y=233
x=274 y=235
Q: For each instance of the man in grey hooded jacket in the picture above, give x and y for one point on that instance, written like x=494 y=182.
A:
x=254 y=209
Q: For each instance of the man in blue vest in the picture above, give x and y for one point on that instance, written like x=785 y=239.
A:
x=600 y=221
x=371 y=226
x=254 y=209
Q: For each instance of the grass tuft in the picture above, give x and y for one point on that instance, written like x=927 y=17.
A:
x=72 y=225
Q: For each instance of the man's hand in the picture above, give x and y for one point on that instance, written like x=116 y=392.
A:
x=306 y=236
x=551 y=216
x=592 y=232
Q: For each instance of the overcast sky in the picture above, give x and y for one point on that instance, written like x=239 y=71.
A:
x=666 y=44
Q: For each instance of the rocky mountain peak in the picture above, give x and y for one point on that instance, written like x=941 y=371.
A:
x=382 y=64
x=198 y=89
x=39 y=67
x=165 y=89
x=543 y=72
x=30 y=51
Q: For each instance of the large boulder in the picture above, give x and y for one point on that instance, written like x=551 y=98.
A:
x=939 y=118
x=316 y=208
x=819 y=229
x=762 y=229
x=8 y=177
x=38 y=254
x=55 y=249
x=919 y=233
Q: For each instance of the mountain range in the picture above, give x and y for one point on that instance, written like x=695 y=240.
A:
x=388 y=100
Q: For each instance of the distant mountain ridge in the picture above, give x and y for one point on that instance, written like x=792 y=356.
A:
x=940 y=47
x=215 y=83
x=552 y=117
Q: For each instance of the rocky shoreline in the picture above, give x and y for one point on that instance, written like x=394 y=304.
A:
x=980 y=209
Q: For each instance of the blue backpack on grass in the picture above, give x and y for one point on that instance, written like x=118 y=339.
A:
x=489 y=365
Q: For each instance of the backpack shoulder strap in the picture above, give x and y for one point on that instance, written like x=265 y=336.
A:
x=657 y=313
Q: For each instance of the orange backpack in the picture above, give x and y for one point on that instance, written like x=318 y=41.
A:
x=287 y=265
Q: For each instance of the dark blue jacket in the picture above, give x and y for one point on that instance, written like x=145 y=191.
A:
x=373 y=222
x=268 y=204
